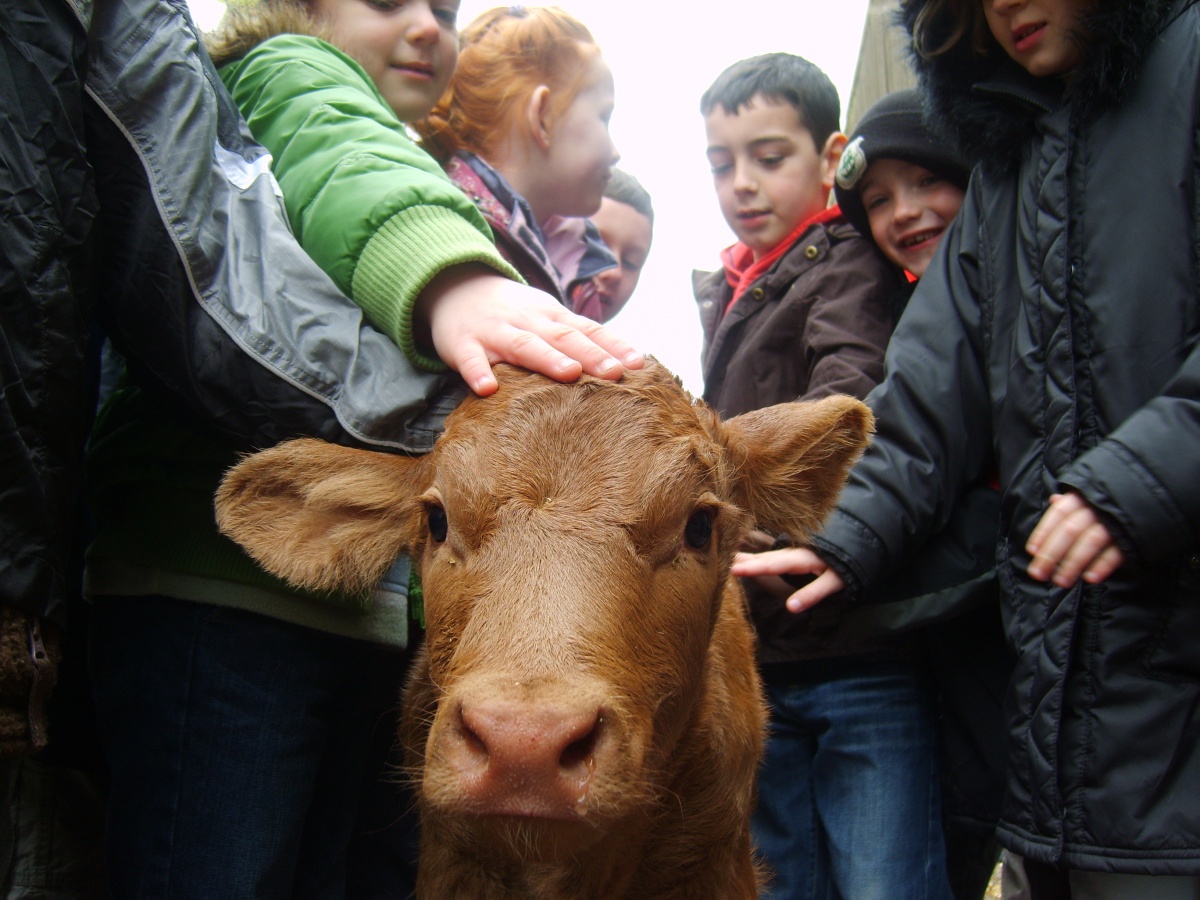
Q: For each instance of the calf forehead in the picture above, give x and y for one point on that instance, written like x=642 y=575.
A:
x=537 y=440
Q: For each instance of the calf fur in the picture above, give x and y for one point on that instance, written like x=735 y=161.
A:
x=585 y=719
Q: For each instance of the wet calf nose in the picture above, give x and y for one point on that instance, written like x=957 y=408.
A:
x=526 y=759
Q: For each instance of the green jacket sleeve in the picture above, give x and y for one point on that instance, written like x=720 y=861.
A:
x=371 y=207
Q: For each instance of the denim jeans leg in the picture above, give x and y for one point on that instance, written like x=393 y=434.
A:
x=787 y=833
x=857 y=775
x=216 y=724
x=875 y=776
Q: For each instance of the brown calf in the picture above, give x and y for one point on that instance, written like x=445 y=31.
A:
x=585 y=719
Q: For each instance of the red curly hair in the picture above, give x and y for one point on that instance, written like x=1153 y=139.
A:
x=504 y=55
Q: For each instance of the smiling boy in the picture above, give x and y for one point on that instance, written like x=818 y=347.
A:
x=800 y=311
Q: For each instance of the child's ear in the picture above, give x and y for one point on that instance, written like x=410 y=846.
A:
x=831 y=155
x=537 y=116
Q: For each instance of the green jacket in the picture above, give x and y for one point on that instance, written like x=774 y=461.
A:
x=374 y=210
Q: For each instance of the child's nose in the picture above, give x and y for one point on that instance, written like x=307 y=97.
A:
x=423 y=27
x=905 y=208
x=743 y=179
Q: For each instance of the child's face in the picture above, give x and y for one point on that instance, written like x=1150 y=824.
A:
x=1038 y=33
x=909 y=209
x=769 y=173
x=408 y=47
x=580 y=153
x=627 y=233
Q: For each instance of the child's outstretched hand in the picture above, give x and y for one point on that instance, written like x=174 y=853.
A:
x=792 y=561
x=1070 y=541
x=475 y=317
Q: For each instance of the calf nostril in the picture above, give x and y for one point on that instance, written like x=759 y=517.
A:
x=473 y=741
x=580 y=752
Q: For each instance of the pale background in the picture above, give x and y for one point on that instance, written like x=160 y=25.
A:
x=664 y=54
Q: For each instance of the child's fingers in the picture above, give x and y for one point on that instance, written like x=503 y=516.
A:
x=472 y=364
x=528 y=349
x=824 y=585
x=598 y=350
x=1082 y=552
x=786 y=561
x=1060 y=507
x=1104 y=564
x=608 y=341
x=1065 y=519
x=572 y=343
x=792 y=561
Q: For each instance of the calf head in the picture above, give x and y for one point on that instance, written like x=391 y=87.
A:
x=586 y=706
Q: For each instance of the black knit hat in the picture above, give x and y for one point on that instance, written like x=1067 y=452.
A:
x=893 y=128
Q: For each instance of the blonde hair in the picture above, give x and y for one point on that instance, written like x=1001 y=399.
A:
x=504 y=55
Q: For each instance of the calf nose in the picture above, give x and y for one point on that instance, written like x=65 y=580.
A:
x=527 y=759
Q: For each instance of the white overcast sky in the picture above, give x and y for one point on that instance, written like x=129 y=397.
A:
x=664 y=54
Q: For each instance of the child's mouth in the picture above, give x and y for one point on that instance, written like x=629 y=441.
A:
x=1025 y=37
x=909 y=242
x=422 y=70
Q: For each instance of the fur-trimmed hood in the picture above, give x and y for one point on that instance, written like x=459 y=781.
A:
x=987 y=105
x=246 y=25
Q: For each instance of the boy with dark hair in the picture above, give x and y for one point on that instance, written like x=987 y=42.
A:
x=848 y=798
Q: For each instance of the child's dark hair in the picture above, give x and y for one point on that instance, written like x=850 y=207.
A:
x=624 y=188
x=784 y=78
x=944 y=25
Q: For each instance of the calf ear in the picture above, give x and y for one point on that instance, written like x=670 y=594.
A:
x=791 y=459
x=321 y=516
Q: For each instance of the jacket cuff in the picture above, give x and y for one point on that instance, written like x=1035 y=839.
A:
x=403 y=256
x=852 y=550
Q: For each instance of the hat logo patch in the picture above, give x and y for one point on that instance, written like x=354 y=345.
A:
x=852 y=165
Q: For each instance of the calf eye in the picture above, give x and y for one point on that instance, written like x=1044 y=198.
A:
x=699 y=529
x=438 y=525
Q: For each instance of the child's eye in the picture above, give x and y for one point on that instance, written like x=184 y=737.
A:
x=874 y=201
x=721 y=168
x=770 y=161
x=447 y=15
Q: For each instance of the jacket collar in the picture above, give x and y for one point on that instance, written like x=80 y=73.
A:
x=244 y=26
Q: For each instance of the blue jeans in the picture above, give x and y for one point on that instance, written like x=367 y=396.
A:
x=849 y=804
x=241 y=748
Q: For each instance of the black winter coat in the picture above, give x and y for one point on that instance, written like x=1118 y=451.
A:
x=1058 y=329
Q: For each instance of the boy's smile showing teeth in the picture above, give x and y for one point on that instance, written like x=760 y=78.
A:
x=920 y=238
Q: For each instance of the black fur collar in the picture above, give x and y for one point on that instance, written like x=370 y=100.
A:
x=988 y=106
